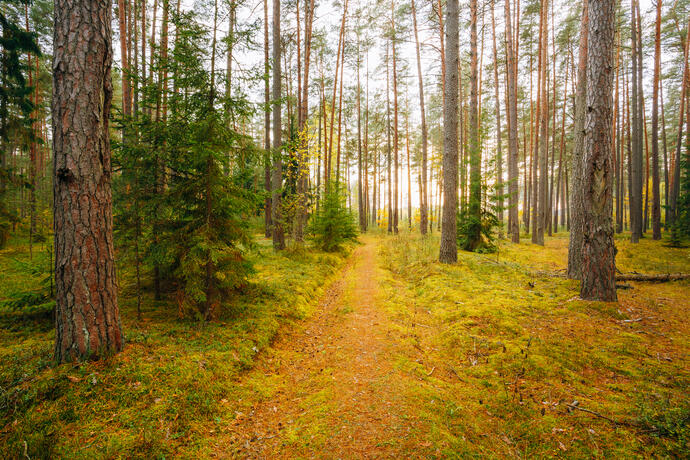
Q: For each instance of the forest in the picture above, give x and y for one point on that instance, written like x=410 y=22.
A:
x=344 y=229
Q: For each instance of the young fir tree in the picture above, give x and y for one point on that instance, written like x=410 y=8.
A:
x=196 y=227
x=16 y=104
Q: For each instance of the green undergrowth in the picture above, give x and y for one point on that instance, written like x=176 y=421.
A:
x=164 y=394
x=497 y=348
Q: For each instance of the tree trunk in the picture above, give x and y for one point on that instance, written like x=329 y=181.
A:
x=637 y=133
x=389 y=148
x=302 y=111
x=124 y=58
x=674 y=185
x=396 y=206
x=499 y=153
x=268 y=221
x=598 y=261
x=448 y=251
x=87 y=320
x=277 y=178
x=656 y=199
x=423 y=204
x=665 y=150
x=541 y=180
x=475 y=196
x=511 y=110
x=577 y=187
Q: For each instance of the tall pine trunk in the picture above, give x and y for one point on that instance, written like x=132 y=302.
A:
x=475 y=195
x=656 y=199
x=423 y=194
x=598 y=261
x=511 y=110
x=577 y=187
x=277 y=177
x=448 y=251
x=87 y=319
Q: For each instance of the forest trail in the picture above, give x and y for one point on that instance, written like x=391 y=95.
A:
x=329 y=388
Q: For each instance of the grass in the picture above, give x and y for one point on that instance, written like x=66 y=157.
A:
x=498 y=350
x=169 y=390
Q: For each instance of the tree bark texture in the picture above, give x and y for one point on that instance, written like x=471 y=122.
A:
x=448 y=250
x=577 y=196
x=87 y=320
x=511 y=97
x=277 y=177
x=598 y=251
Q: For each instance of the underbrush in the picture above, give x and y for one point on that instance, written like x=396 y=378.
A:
x=507 y=361
x=166 y=393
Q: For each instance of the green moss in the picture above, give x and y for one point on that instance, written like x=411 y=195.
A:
x=512 y=345
x=158 y=397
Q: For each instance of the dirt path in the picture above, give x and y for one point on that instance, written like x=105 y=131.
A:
x=330 y=388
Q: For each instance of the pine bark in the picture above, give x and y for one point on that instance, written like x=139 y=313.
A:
x=448 y=251
x=396 y=206
x=656 y=198
x=87 y=319
x=598 y=261
x=499 y=152
x=124 y=56
x=637 y=133
x=423 y=205
x=277 y=176
x=475 y=195
x=511 y=110
x=268 y=221
x=577 y=166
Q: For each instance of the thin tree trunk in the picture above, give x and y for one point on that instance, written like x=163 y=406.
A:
x=541 y=203
x=124 y=57
x=389 y=147
x=423 y=204
x=656 y=199
x=636 y=221
x=396 y=206
x=448 y=251
x=577 y=187
x=511 y=99
x=499 y=153
x=277 y=177
x=674 y=186
x=475 y=211
x=665 y=150
x=268 y=221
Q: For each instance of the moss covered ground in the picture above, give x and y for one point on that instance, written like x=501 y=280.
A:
x=511 y=363
x=383 y=353
x=162 y=395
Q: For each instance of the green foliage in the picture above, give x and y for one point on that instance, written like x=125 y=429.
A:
x=477 y=225
x=334 y=224
x=38 y=299
x=184 y=199
x=470 y=225
x=15 y=101
x=681 y=225
x=665 y=418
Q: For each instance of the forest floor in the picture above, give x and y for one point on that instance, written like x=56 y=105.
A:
x=380 y=353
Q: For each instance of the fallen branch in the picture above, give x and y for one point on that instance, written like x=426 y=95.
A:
x=654 y=278
x=659 y=278
x=576 y=405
